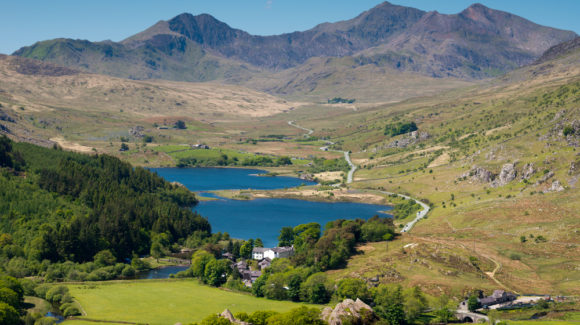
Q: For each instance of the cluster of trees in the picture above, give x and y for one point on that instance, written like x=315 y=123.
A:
x=12 y=306
x=298 y=316
x=394 y=129
x=225 y=160
x=405 y=208
x=332 y=249
x=299 y=278
x=9 y=158
x=393 y=305
x=337 y=100
x=72 y=206
x=104 y=267
x=11 y=300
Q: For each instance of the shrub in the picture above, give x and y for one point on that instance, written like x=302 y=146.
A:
x=8 y=315
x=515 y=257
x=352 y=289
x=398 y=128
x=10 y=297
x=128 y=271
x=71 y=311
x=56 y=293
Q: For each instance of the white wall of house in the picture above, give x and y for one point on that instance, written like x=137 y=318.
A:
x=270 y=254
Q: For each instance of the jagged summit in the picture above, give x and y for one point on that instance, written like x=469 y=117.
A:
x=476 y=43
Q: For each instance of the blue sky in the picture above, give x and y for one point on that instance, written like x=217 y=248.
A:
x=24 y=22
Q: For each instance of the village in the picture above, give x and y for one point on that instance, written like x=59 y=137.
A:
x=264 y=256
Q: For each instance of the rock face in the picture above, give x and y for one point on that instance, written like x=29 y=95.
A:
x=346 y=311
x=227 y=314
x=556 y=187
x=573 y=167
x=528 y=171
x=481 y=174
x=508 y=173
x=137 y=131
x=409 y=139
x=547 y=176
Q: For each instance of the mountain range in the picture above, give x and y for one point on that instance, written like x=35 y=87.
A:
x=387 y=40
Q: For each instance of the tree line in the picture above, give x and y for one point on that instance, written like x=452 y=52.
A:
x=63 y=207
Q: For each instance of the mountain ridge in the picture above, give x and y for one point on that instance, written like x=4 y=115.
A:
x=476 y=43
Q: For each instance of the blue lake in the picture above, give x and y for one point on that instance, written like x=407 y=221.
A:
x=260 y=218
x=210 y=179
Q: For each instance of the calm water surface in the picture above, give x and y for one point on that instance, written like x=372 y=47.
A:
x=260 y=218
x=211 y=179
x=161 y=273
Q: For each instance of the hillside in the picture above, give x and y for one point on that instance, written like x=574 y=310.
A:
x=386 y=40
x=499 y=166
x=84 y=204
x=43 y=103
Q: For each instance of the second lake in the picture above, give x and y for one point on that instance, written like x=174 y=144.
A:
x=260 y=218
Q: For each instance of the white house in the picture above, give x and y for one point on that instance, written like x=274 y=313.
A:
x=259 y=253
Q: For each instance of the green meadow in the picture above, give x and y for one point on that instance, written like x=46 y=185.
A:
x=163 y=301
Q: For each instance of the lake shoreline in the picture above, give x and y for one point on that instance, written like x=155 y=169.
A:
x=311 y=194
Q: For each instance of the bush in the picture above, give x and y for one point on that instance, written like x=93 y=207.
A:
x=71 y=311
x=41 y=290
x=352 y=289
x=568 y=130
x=377 y=229
x=398 y=128
x=128 y=271
x=10 y=297
x=104 y=258
x=275 y=287
x=315 y=292
x=298 y=316
x=139 y=264
x=8 y=315
x=56 y=293
x=473 y=303
x=515 y=257
x=45 y=321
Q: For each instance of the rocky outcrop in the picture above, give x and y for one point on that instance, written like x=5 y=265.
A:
x=137 y=131
x=556 y=187
x=227 y=314
x=546 y=177
x=573 y=167
x=480 y=174
x=349 y=312
x=409 y=139
x=528 y=171
x=307 y=177
x=508 y=173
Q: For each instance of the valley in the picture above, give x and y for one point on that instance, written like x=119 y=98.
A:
x=467 y=140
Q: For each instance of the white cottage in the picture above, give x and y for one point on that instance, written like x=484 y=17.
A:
x=259 y=253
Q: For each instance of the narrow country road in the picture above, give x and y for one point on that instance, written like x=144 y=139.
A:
x=420 y=214
x=309 y=131
x=350 y=174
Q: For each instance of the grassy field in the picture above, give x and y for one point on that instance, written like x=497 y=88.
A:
x=164 y=301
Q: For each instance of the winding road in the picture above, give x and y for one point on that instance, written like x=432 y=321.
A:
x=349 y=178
x=350 y=174
x=291 y=123
x=420 y=214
